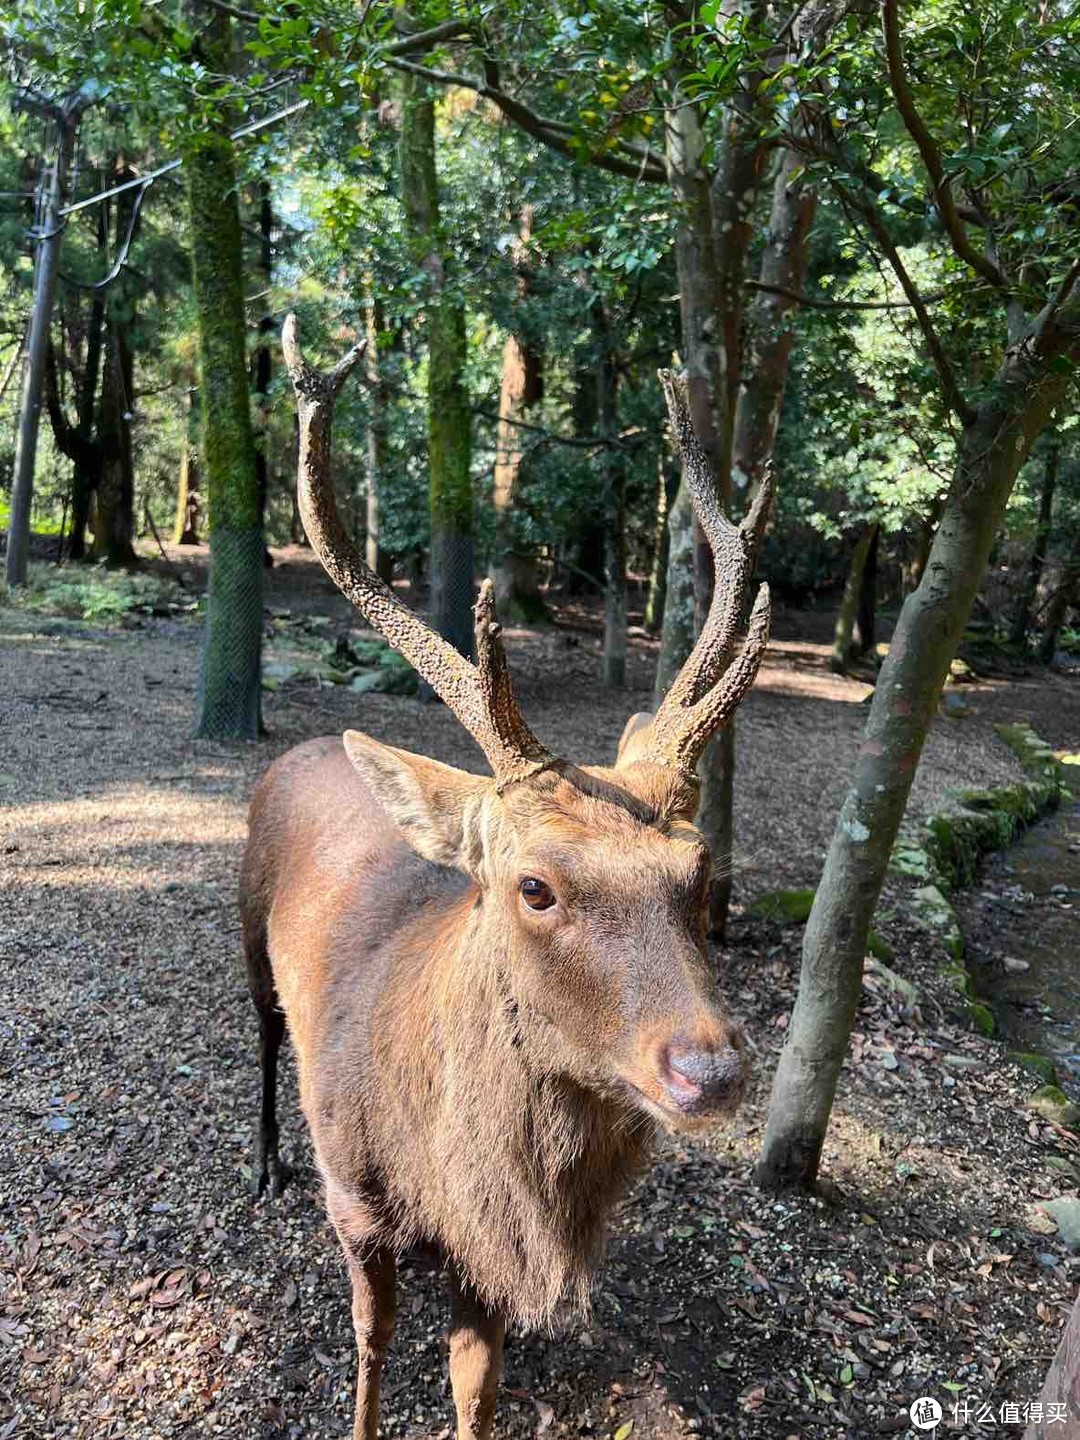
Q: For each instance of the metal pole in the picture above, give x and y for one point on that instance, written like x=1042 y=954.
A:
x=47 y=239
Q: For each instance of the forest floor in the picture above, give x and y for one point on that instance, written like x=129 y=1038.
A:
x=143 y=1293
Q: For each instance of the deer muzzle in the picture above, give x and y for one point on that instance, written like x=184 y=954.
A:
x=703 y=1079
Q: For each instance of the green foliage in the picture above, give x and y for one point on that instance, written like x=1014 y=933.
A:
x=96 y=593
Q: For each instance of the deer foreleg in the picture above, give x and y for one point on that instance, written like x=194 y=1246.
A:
x=476 y=1350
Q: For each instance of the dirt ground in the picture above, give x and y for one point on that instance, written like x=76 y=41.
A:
x=142 y=1293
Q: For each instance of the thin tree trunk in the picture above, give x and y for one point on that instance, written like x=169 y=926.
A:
x=769 y=323
x=50 y=236
x=864 y=633
x=613 y=471
x=515 y=575
x=449 y=422
x=677 y=633
x=654 y=604
x=229 y=689
x=1029 y=588
x=378 y=438
x=1066 y=595
x=842 y=648
x=992 y=449
x=186 y=526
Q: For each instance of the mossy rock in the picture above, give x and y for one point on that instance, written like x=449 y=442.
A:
x=1039 y=1065
x=900 y=986
x=879 y=947
x=934 y=911
x=1051 y=1103
x=911 y=860
x=784 y=907
x=981 y=1017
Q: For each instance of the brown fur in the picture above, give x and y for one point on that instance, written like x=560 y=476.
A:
x=476 y=1076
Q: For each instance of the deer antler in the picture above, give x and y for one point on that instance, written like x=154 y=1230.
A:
x=480 y=695
x=708 y=689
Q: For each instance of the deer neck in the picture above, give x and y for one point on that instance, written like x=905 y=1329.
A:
x=519 y=1162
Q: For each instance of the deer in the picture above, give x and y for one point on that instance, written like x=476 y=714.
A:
x=497 y=987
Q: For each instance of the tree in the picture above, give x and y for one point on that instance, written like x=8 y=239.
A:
x=229 y=685
x=449 y=422
x=994 y=435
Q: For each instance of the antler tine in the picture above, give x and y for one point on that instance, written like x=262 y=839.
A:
x=698 y=702
x=481 y=696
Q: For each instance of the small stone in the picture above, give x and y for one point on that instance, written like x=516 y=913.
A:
x=1013 y=966
x=1059 y=889
x=1047 y=1258
x=1065 y=1212
x=964 y=1062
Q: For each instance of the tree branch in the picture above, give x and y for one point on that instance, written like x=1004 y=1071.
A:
x=822 y=302
x=548 y=132
x=954 y=397
x=931 y=158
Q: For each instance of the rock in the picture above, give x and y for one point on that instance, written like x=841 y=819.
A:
x=954 y=705
x=1013 y=966
x=1065 y=1212
x=896 y=983
x=1051 y=1103
x=981 y=1017
x=964 y=1062
x=1038 y=1065
x=1059 y=889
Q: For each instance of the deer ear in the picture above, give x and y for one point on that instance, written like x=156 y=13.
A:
x=440 y=811
x=634 y=739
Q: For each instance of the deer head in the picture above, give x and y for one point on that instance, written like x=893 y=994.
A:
x=590 y=882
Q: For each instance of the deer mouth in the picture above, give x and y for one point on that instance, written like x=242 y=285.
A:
x=684 y=1106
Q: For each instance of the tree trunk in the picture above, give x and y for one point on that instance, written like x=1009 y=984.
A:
x=1065 y=596
x=449 y=422
x=50 y=235
x=517 y=590
x=264 y=355
x=677 y=632
x=377 y=454
x=654 y=604
x=77 y=441
x=864 y=634
x=186 y=526
x=229 y=689
x=1029 y=588
x=842 y=650
x=1062 y=1385
x=992 y=449
x=769 y=324
x=114 y=512
x=613 y=472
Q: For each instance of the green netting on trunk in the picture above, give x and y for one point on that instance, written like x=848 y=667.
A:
x=229 y=677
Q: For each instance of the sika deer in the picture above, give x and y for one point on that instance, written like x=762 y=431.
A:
x=496 y=987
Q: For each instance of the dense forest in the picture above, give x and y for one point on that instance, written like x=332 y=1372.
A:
x=852 y=229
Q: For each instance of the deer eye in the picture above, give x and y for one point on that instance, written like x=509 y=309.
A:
x=536 y=894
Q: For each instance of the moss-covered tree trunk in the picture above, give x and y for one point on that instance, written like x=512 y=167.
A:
x=449 y=422
x=229 y=688
x=993 y=446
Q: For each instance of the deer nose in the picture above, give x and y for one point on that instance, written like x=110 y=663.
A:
x=703 y=1078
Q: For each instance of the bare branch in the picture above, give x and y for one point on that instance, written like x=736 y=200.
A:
x=552 y=133
x=931 y=158
x=954 y=397
x=821 y=302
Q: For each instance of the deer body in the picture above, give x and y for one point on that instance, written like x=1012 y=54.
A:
x=496 y=987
